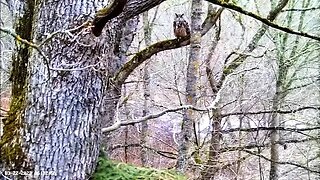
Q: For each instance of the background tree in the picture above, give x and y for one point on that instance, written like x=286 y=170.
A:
x=189 y=117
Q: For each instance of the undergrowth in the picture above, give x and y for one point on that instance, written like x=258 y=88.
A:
x=109 y=170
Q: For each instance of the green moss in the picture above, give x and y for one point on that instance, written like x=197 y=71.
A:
x=10 y=144
x=11 y=151
x=227 y=71
x=197 y=157
x=108 y=170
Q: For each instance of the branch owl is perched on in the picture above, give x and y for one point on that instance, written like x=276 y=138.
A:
x=180 y=26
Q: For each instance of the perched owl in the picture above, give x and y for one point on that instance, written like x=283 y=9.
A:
x=180 y=26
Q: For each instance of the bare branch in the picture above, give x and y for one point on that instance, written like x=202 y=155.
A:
x=263 y=20
x=283 y=142
x=282 y=162
x=301 y=9
x=166 y=154
x=31 y=44
x=273 y=111
x=145 y=54
x=118 y=124
x=270 y=129
x=67 y=31
x=49 y=37
x=228 y=69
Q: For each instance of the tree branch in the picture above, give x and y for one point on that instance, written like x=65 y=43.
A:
x=252 y=146
x=263 y=20
x=152 y=116
x=273 y=111
x=282 y=162
x=119 y=123
x=252 y=45
x=166 y=154
x=134 y=8
x=270 y=129
x=31 y=44
x=301 y=9
x=145 y=54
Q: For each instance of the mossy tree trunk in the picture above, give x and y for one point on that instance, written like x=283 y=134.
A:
x=55 y=119
x=60 y=118
x=10 y=144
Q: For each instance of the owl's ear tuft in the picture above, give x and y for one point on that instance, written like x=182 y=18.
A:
x=177 y=15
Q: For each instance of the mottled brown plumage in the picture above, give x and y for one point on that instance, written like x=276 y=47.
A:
x=180 y=26
x=106 y=14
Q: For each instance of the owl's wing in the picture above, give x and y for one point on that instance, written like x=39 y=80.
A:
x=174 y=24
x=187 y=27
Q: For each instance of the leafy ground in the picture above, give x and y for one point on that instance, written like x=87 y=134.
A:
x=109 y=170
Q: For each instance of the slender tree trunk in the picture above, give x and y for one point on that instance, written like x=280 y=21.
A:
x=146 y=89
x=282 y=84
x=126 y=129
x=241 y=118
x=208 y=173
x=191 y=85
x=214 y=149
x=275 y=136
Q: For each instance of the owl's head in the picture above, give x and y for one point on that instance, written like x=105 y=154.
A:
x=179 y=17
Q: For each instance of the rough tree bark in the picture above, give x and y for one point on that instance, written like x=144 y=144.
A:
x=55 y=119
x=10 y=144
x=188 y=121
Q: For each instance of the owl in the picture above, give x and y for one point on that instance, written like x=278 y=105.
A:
x=180 y=26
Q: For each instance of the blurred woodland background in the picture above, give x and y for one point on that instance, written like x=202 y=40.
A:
x=242 y=101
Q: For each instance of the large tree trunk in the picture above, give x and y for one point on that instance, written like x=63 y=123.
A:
x=55 y=119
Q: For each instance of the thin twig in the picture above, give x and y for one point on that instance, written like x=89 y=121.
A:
x=31 y=44
x=283 y=162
